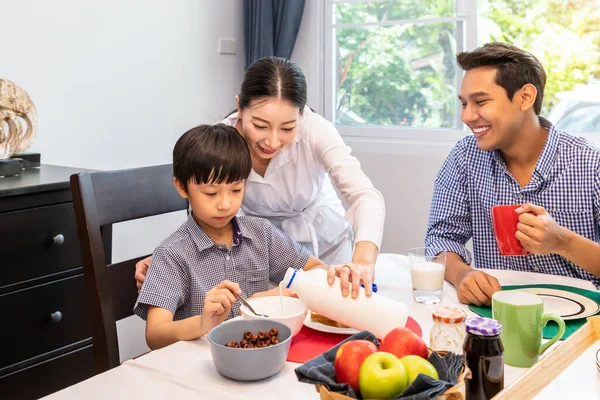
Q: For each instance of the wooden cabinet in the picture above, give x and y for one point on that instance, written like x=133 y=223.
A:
x=45 y=338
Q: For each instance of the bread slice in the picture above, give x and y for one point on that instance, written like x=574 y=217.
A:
x=325 y=321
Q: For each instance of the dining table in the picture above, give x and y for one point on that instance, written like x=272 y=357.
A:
x=185 y=370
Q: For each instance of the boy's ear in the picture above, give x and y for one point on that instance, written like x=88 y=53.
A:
x=180 y=188
x=528 y=96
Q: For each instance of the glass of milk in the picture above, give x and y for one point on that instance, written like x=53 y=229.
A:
x=427 y=269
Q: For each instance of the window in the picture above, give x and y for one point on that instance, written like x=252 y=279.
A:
x=390 y=68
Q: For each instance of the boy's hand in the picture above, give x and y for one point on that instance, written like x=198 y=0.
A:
x=217 y=304
x=141 y=269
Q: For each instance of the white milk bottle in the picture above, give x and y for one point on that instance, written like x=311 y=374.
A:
x=377 y=314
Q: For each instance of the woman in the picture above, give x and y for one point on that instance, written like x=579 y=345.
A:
x=294 y=153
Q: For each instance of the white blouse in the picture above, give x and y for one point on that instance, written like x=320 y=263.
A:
x=297 y=196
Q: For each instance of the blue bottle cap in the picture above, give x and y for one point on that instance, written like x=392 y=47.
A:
x=373 y=287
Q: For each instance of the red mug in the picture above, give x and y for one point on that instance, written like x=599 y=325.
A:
x=505 y=220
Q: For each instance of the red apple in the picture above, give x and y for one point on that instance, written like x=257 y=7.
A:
x=403 y=342
x=348 y=360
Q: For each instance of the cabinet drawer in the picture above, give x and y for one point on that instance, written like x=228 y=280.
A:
x=49 y=376
x=28 y=314
x=27 y=246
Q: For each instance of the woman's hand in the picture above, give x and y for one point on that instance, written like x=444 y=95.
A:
x=141 y=269
x=360 y=270
x=355 y=273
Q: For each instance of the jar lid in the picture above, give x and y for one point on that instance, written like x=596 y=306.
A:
x=449 y=315
x=483 y=326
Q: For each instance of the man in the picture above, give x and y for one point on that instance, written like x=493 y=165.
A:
x=514 y=157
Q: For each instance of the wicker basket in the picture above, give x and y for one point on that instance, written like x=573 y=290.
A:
x=456 y=392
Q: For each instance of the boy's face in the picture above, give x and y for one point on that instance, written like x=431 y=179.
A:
x=268 y=126
x=494 y=119
x=215 y=204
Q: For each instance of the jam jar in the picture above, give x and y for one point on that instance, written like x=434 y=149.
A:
x=448 y=331
x=483 y=354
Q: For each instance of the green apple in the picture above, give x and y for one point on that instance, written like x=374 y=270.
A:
x=381 y=376
x=416 y=365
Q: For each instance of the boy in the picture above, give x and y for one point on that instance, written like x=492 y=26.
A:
x=514 y=157
x=197 y=273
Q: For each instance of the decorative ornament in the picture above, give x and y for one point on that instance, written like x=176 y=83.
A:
x=18 y=119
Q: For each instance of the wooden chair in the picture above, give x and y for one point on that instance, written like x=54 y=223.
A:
x=100 y=200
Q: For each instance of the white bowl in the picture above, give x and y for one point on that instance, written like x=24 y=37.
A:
x=294 y=311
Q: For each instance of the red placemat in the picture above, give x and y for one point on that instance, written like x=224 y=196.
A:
x=309 y=343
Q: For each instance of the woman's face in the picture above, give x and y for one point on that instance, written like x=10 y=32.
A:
x=268 y=125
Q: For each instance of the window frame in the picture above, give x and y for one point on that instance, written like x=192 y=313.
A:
x=388 y=138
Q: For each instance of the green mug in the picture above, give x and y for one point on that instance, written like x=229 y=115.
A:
x=522 y=318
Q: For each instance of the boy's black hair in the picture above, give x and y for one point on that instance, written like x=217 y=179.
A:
x=211 y=154
x=514 y=68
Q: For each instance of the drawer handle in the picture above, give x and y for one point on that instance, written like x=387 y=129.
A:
x=56 y=317
x=58 y=239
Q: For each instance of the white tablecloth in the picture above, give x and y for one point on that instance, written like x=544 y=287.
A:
x=185 y=370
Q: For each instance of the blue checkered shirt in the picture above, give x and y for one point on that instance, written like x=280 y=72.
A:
x=565 y=181
x=188 y=264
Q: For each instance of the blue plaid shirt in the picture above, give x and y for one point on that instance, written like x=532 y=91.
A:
x=565 y=181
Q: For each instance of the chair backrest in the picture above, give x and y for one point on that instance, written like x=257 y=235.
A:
x=100 y=200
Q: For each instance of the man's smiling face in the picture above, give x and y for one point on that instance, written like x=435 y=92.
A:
x=486 y=109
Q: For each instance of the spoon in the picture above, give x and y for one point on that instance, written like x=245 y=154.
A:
x=249 y=307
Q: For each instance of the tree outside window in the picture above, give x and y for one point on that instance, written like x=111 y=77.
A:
x=404 y=74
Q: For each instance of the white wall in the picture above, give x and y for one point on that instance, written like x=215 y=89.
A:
x=116 y=83
x=406 y=182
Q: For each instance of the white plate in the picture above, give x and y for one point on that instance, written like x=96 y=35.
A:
x=568 y=305
x=326 y=328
